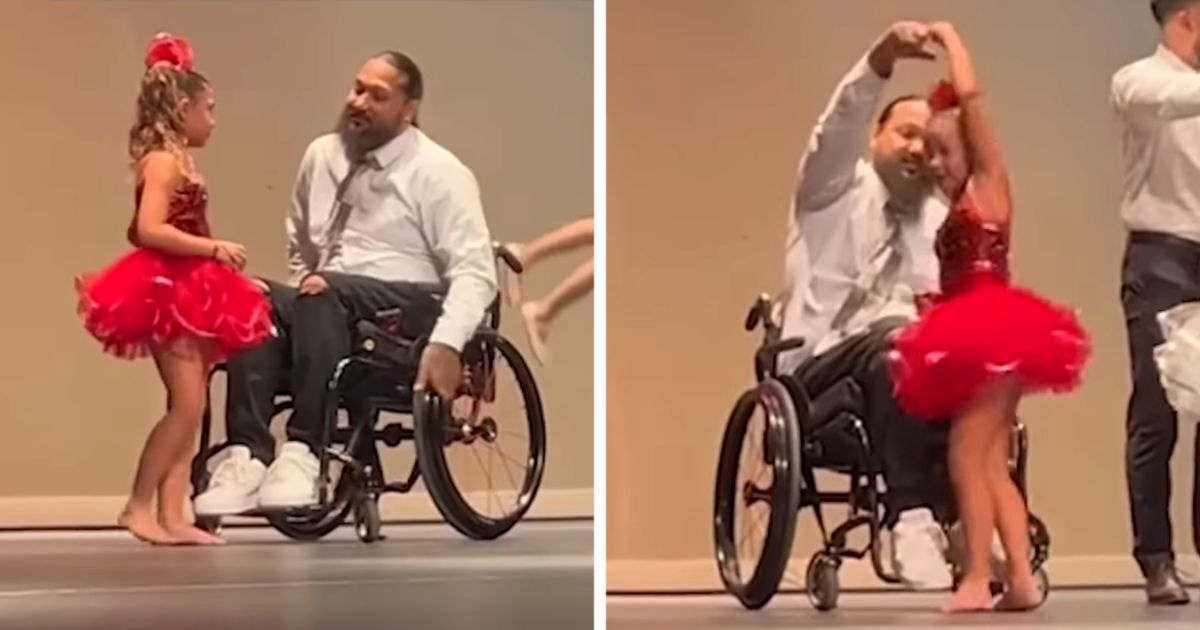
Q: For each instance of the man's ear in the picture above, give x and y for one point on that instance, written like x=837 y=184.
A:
x=410 y=112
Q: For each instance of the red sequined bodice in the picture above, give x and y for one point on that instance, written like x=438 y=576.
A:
x=971 y=249
x=187 y=211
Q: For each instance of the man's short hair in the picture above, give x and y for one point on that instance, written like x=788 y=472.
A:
x=886 y=114
x=1164 y=9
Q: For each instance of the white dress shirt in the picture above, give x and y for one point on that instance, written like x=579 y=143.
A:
x=840 y=238
x=416 y=216
x=1157 y=105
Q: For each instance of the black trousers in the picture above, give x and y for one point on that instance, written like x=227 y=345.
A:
x=315 y=332
x=912 y=452
x=1160 y=271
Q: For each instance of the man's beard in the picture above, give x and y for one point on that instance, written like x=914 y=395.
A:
x=908 y=190
x=361 y=140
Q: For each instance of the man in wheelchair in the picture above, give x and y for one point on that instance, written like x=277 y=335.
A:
x=383 y=219
x=859 y=257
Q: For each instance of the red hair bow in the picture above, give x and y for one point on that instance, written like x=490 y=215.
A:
x=169 y=50
x=943 y=97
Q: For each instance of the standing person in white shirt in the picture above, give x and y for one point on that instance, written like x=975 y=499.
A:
x=859 y=257
x=383 y=218
x=1157 y=104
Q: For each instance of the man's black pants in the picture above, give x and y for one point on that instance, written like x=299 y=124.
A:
x=315 y=332
x=1160 y=271
x=912 y=452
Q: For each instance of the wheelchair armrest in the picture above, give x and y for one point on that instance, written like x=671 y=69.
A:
x=765 y=357
x=510 y=259
x=784 y=345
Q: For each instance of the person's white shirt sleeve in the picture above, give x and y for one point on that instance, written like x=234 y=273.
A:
x=1150 y=92
x=302 y=252
x=830 y=161
x=452 y=217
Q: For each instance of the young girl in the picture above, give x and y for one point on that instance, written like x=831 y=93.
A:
x=538 y=314
x=984 y=344
x=179 y=296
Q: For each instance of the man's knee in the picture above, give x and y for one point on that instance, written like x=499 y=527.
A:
x=323 y=302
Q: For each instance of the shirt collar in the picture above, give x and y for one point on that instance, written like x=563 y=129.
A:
x=1165 y=55
x=384 y=156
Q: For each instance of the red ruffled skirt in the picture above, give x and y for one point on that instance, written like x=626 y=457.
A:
x=990 y=329
x=147 y=299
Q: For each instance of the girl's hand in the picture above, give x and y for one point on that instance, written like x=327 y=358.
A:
x=943 y=33
x=230 y=253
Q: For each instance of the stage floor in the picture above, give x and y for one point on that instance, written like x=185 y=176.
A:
x=539 y=575
x=1066 y=609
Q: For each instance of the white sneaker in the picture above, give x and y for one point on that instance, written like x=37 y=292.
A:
x=233 y=484
x=919 y=551
x=292 y=479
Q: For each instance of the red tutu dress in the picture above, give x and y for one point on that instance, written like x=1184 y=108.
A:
x=981 y=327
x=147 y=298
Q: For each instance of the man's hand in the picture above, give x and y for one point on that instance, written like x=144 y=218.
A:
x=313 y=284
x=904 y=40
x=440 y=370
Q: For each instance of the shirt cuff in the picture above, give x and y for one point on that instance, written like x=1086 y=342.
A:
x=452 y=334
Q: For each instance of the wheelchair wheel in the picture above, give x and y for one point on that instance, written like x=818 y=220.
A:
x=1039 y=541
x=758 y=483
x=367 y=524
x=821 y=582
x=493 y=438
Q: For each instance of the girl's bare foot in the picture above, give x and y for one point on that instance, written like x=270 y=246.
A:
x=144 y=527
x=536 y=331
x=1023 y=594
x=187 y=534
x=974 y=596
x=512 y=279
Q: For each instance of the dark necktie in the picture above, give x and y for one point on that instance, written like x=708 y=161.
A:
x=341 y=214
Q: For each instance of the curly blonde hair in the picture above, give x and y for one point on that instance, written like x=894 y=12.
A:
x=159 y=120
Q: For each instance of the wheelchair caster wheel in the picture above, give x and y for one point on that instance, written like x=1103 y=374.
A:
x=210 y=524
x=821 y=582
x=367 y=524
x=1043 y=582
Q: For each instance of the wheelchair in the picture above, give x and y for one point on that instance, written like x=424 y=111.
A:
x=802 y=433
x=376 y=378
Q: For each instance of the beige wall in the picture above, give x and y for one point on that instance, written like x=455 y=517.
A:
x=710 y=105
x=508 y=88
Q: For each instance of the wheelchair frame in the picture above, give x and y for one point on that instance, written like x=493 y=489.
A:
x=379 y=352
x=796 y=458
